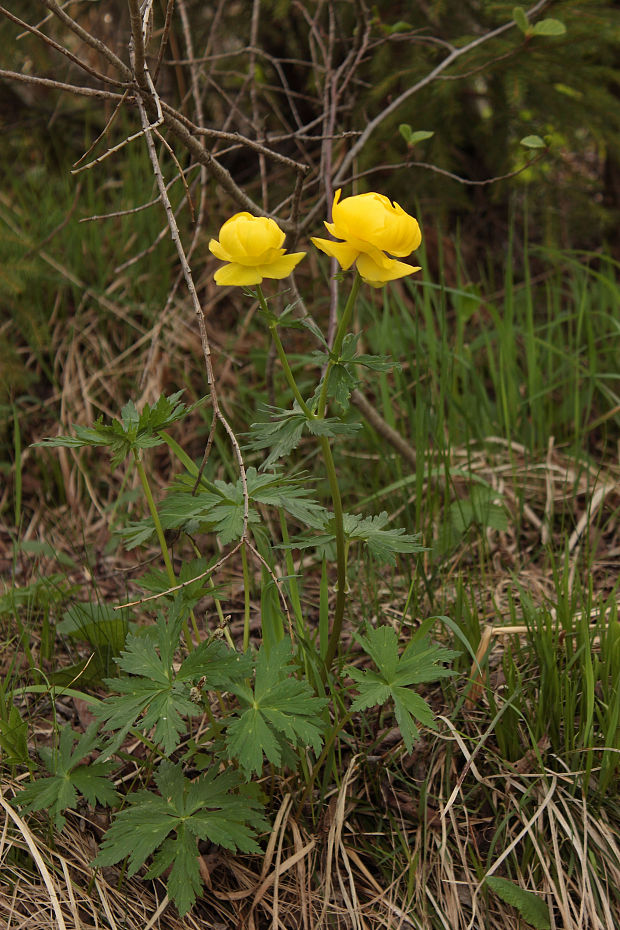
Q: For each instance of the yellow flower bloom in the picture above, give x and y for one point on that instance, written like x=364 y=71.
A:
x=373 y=228
x=252 y=247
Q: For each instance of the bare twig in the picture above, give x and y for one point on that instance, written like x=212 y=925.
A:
x=136 y=48
x=60 y=48
x=89 y=39
x=432 y=75
x=59 y=85
x=164 y=39
x=468 y=182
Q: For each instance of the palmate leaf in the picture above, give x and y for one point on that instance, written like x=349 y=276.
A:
x=383 y=542
x=279 y=707
x=154 y=696
x=133 y=431
x=395 y=675
x=343 y=377
x=219 y=509
x=283 y=432
x=215 y=807
x=69 y=777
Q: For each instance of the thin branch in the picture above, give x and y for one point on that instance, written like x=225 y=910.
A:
x=179 y=587
x=86 y=37
x=241 y=141
x=104 y=131
x=136 y=44
x=443 y=171
x=59 y=85
x=60 y=48
x=453 y=56
x=164 y=39
x=215 y=169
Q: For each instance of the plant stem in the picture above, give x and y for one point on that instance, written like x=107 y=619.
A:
x=332 y=477
x=172 y=578
x=330 y=467
x=288 y=374
x=341 y=555
x=337 y=346
x=155 y=517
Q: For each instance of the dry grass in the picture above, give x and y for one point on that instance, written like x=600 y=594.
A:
x=329 y=879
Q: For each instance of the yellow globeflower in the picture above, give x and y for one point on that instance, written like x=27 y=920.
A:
x=372 y=229
x=252 y=246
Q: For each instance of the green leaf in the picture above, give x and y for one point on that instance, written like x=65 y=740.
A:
x=480 y=509
x=400 y=26
x=68 y=777
x=279 y=707
x=97 y=623
x=420 y=135
x=383 y=543
x=214 y=807
x=221 y=510
x=568 y=91
x=549 y=27
x=308 y=323
x=331 y=427
x=532 y=908
x=532 y=142
x=14 y=738
x=281 y=434
x=395 y=675
x=133 y=431
x=154 y=696
x=520 y=19
x=412 y=136
x=343 y=376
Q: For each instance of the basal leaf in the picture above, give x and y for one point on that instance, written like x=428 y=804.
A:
x=279 y=706
x=58 y=792
x=184 y=881
x=213 y=807
x=394 y=676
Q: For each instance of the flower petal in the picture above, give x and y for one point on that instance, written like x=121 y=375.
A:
x=377 y=274
x=281 y=267
x=216 y=249
x=246 y=238
x=239 y=275
x=344 y=253
x=373 y=218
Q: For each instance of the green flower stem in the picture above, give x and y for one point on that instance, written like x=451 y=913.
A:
x=172 y=578
x=282 y=356
x=155 y=516
x=337 y=346
x=332 y=477
x=329 y=742
x=341 y=548
x=341 y=555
